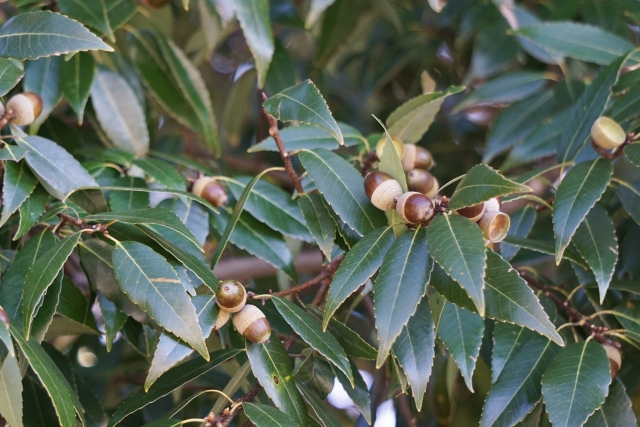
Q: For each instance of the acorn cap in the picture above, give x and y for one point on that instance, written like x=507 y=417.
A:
x=607 y=133
x=36 y=101
x=210 y=190
x=231 y=296
x=474 y=212
x=23 y=108
x=492 y=205
x=414 y=207
x=615 y=359
x=222 y=319
x=423 y=182
x=416 y=157
x=382 y=190
x=495 y=225
x=397 y=142
x=252 y=324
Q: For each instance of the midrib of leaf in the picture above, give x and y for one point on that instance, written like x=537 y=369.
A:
x=260 y=237
x=414 y=112
x=513 y=346
x=344 y=185
x=94 y=253
x=104 y=18
x=304 y=106
x=542 y=35
x=54 y=165
x=597 y=248
x=282 y=377
x=575 y=384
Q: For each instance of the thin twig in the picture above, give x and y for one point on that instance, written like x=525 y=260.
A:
x=6 y=118
x=617 y=152
x=275 y=133
x=96 y=228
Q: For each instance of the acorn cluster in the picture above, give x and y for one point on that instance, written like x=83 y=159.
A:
x=22 y=109
x=249 y=320
x=210 y=190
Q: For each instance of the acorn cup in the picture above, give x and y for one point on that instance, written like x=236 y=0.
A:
x=252 y=324
x=607 y=133
x=492 y=205
x=615 y=359
x=397 y=142
x=210 y=190
x=382 y=190
x=25 y=108
x=495 y=225
x=474 y=212
x=414 y=207
x=416 y=158
x=222 y=319
x=423 y=182
x=231 y=296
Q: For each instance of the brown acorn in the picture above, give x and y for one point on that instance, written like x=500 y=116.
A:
x=473 y=212
x=25 y=107
x=495 y=225
x=615 y=359
x=222 y=319
x=607 y=133
x=416 y=158
x=210 y=190
x=423 y=182
x=414 y=207
x=397 y=142
x=252 y=324
x=382 y=190
x=231 y=296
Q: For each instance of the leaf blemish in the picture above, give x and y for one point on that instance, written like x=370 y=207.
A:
x=275 y=379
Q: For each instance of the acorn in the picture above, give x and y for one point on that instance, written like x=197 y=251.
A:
x=252 y=324
x=222 y=319
x=25 y=107
x=231 y=296
x=397 y=142
x=473 y=212
x=492 y=205
x=210 y=190
x=382 y=190
x=495 y=225
x=414 y=207
x=423 y=182
x=416 y=157
x=615 y=359
x=607 y=133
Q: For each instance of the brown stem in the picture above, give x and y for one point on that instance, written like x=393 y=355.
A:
x=369 y=159
x=617 y=152
x=96 y=228
x=405 y=409
x=6 y=118
x=275 y=133
x=540 y=208
x=598 y=332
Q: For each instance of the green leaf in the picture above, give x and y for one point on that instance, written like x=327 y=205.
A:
x=319 y=222
x=506 y=88
x=61 y=393
x=343 y=188
x=43 y=77
x=162 y=173
x=266 y=416
x=310 y=330
x=151 y=283
x=510 y=299
x=10 y=389
x=76 y=79
x=33 y=35
x=41 y=275
x=54 y=167
x=273 y=206
x=399 y=286
x=256 y=27
x=412 y=119
x=113 y=319
x=47 y=310
x=18 y=184
x=632 y=152
x=482 y=183
x=576 y=383
x=577 y=41
x=457 y=244
x=358 y=394
x=271 y=365
x=507 y=341
x=628 y=314
x=414 y=350
x=171 y=350
x=129 y=200
x=580 y=189
x=12 y=152
x=11 y=73
x=308 y=137
x=119 y=113
x=74 y=306
x=93 y=14
x=282 y=71
x=304 y=103
x=360 y=263
x=518 y=388
x=596 y=242
x=585 y=112
x=615 y=411
x=461 y=332
x=521 y=223
x=545 y=247
x=515 y=122
x=31 y=210
x=326 y=417
x=350 y=341
x=172 y=380
x=629 y=195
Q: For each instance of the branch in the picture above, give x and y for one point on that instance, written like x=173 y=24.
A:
x=275 y=133
x=96 y=228
x=617 y=152
x=6 y=118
